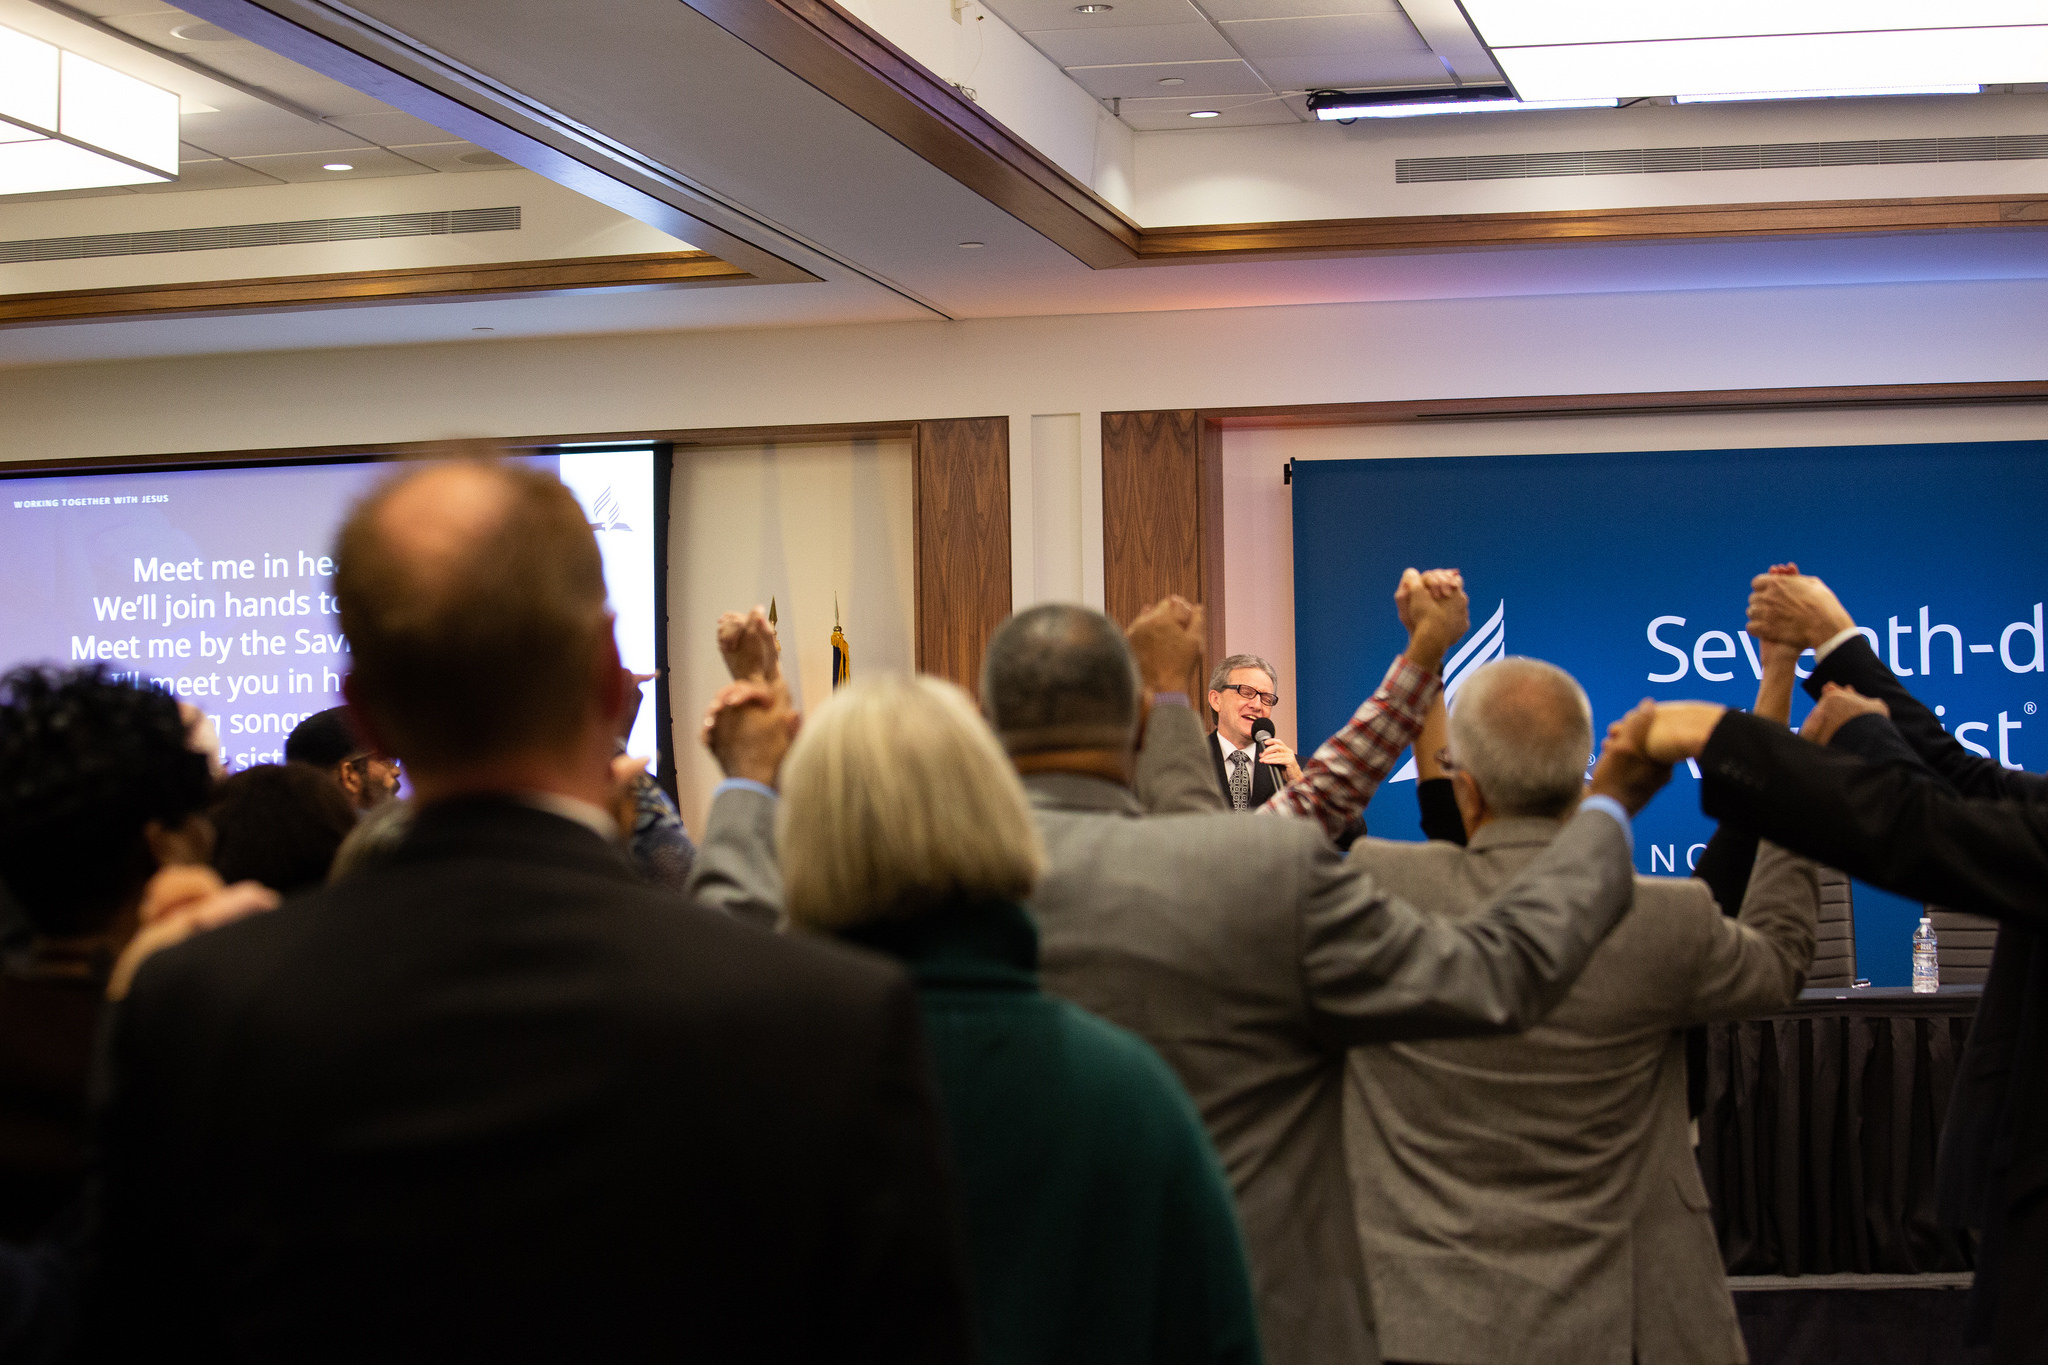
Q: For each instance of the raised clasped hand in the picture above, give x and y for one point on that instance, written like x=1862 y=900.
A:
x=1626 y=770
x=748 y=645
x=1838 y=705
x=1794 y=609
x=1167 y=640
x=748 y=728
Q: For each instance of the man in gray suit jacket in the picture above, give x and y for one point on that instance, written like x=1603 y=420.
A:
x=1252 y=955
x=1535 y=1197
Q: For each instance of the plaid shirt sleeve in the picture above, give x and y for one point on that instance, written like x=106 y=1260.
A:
x=1348 y=768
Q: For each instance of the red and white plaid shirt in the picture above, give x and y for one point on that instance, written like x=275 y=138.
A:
x=1348 y=768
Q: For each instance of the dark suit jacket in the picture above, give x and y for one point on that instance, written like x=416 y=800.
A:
x=498 y=1100
x=1266 y=779
x=1976 y=839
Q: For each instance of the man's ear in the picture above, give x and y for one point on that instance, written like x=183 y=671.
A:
x=351 y=777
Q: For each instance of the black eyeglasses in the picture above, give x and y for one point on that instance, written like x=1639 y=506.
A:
x=1250 y=693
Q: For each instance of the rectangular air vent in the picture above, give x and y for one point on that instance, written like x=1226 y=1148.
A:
x=1891 y=151
x=440 y=223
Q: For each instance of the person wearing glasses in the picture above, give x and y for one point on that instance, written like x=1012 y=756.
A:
x=1241 y=692
x=327 y=740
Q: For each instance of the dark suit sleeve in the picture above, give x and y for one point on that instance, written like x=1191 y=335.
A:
x=1855 y=664
x=1892 y=825
x=902 y=1284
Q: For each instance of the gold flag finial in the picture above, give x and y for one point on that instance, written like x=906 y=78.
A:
x=842 y=654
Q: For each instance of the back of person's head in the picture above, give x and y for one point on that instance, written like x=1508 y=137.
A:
x=377 y=835
x=279 y=824
x=896 y=799
x=323 y=739
x=474 y=603
x=1060 y=677
x=1523 y=730
x=86 y=765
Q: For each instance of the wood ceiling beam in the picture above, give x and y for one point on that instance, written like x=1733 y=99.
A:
x=503 y=279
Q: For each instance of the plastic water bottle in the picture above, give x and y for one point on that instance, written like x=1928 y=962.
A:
x=1926 y=961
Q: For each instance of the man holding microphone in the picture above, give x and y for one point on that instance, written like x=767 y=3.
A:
x=1251 y=765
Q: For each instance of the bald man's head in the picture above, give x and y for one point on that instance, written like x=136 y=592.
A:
x=474 y=603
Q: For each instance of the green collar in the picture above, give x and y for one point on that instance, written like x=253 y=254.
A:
x=975 y=943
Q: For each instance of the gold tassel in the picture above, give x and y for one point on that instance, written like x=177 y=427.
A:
x=842 y=654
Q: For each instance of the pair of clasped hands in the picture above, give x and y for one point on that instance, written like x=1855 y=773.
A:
x=1789 y=613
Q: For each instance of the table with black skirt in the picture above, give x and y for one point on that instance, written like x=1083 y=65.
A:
x=1817 y=1146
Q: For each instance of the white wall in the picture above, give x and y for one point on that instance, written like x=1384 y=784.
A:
x=804 y=525
x=1258 y=541
x=553 y=223
x=1279 y=172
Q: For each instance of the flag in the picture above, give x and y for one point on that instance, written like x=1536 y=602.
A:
x=842 y=655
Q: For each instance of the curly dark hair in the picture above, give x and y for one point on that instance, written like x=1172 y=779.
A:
x=279 y=824
x=85 y=763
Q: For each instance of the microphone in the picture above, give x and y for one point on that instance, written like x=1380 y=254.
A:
x=1262 y=730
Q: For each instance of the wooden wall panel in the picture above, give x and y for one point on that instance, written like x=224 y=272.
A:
x=962 y=480
x=1162 y=522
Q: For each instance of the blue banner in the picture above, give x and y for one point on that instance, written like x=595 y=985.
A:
x=1632 y=572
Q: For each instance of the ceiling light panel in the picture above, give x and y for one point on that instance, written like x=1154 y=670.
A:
x=74 y=124
x=1797 y=62
x=1582 y=49
x=1543 y=23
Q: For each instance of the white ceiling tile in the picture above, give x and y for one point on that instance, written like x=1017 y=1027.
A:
x=1233 y=111
x=212 y=175
x=108 y=9
x=455 y=156
x=1189 y=79
x=1028 y=15
x=260 y=130
x=307 y=167
x=1226 y=10
x=1125 y=46
x=1340 y=71
x=391 y=130
x=250 y=64
x=1329 y=36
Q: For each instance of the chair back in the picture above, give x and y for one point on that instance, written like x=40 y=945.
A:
x=1834 y=947
x=1962 y=945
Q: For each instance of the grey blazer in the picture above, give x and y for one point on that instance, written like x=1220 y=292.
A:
x=1254 y=958
x=1535 y=1198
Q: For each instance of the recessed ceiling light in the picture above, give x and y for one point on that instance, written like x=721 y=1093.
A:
x=483 y=329
x=1206 y=113
x=69 y=123
x=1171 y=80
x=204 y=33
x=971 y=245
x=1093 y=9
x=338 y=166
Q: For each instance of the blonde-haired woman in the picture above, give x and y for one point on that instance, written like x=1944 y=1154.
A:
x=1099 y=1224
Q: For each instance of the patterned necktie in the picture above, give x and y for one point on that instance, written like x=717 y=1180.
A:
x=1240 y=781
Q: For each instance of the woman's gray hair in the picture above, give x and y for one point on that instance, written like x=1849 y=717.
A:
x=1523 y=730
x=896 y=797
